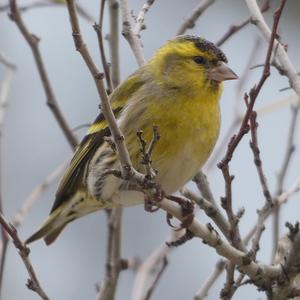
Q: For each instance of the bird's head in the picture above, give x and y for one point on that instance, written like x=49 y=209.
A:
x=191 y=61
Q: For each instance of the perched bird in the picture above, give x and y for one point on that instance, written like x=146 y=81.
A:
x=178 y=90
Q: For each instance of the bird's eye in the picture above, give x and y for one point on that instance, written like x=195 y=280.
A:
x=200 y=60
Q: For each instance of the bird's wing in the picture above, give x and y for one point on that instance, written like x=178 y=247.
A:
x=72 y=180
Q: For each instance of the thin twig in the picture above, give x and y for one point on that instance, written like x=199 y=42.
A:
x=237 y=27
x=263 y=214
x=147 y=270
x=279 y=200
x=285 y=66
x=236 y=121
x=41 y=4
x=257 y=159
x=253 y=94
x=98 y=78
x=228 y=289
x=244 y=128
x=157 y=278
x=33 y=42
x=290 y=149
x=279 y=50
x=36 y=194
x=203 y=291
x=32 y=283
x=113 y=269
x=151 y=267
x=98 y=28
x=4 y=91
x=190 y=21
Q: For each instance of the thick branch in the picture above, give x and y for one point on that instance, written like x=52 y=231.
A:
x=131 y=37
x=210 y=210
x=140 y=19
x=257 y=272
x=108 y=286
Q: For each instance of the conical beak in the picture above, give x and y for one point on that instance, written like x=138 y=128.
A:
x=221 y=72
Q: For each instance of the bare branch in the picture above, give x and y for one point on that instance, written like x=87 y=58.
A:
x=151 y=268
x=4 y=91
x=33 y=283
x=105 y=106
x=113 y=263
x=5 y=83
x=290 y=262
x=237 y=27
x=210 y=236
x=41 y=4
x=257 y=159
x=190 y=21
x=266 y=211
x=203 y=186
x=33 y=42
x=98 y=28
x=113 y=39
x=236 y=121
x=290 y=147
x=129 y=34
x=228 y=289
x=157 y=278
x=36 y=194
x=140 y=19
x=279 y=50
x=244 y=128
x=203 y=291
x=210 y=210
x=263 y=214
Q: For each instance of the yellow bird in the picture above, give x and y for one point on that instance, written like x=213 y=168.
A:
x=178 y=90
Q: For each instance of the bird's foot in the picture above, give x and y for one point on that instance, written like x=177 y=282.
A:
x=188 y=235
x=187 y=208
x=153 y=197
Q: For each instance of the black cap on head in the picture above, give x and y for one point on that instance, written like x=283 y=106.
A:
x=204 y=45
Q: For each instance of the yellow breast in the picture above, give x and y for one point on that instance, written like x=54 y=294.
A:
x=189 y=127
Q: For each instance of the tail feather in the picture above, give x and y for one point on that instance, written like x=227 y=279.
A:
x=49 y=230
x=51 y=237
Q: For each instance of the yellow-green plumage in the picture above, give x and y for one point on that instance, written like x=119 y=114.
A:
x=179 y=91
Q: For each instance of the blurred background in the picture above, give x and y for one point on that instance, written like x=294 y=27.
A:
x=33 y=145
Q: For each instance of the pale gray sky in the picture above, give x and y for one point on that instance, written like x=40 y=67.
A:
x=33 y=145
